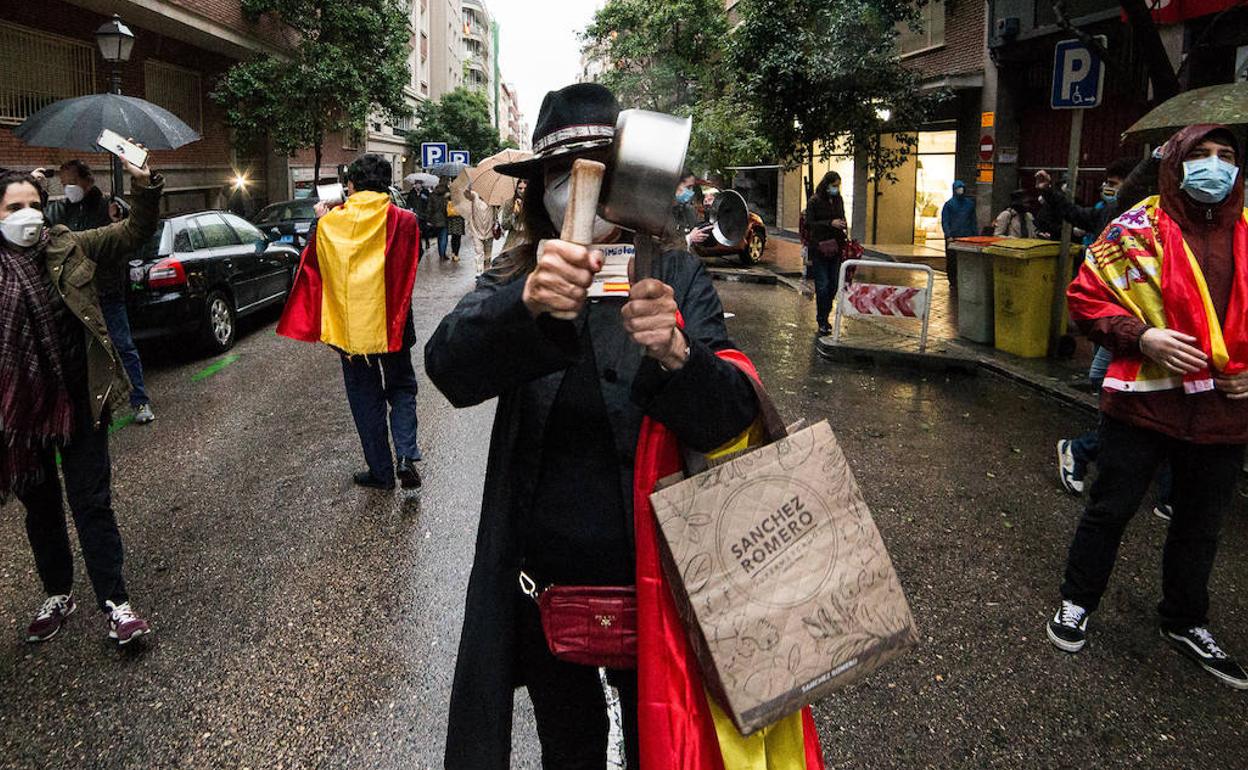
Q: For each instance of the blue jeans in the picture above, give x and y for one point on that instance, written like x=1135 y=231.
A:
x=372 y=382
x=441 y=234
x=825 y=272
x=119 y=331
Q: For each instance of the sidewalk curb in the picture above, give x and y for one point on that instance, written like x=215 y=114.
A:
x=965 y=360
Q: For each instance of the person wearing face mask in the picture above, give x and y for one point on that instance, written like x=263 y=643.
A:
x=85 y=207
x=572 y=396
x=826 y=228
x=353 y=292
x=957 y=220
x=1165 y=289
x=689 y=224
x=60 y=377
x=1126 y=183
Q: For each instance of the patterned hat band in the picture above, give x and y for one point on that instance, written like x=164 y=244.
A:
x=571 y=133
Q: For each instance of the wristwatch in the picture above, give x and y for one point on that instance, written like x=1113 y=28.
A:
x=688 y=347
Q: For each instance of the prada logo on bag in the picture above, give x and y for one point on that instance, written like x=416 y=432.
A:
x=605 y=620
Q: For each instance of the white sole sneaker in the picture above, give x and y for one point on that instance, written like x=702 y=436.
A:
x=1187 y=650
x=1066 y=475
x=1062 y=644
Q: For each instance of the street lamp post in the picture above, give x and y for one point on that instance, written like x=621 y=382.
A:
x=115 y=41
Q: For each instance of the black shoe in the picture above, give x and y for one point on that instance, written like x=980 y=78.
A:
x=367 y=479
x=1198 y=644
x=1068 y=630
x=825 y=331
x=409 y=478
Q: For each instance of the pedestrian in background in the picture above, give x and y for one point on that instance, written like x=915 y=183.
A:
x=1016 y=221
x=60 y=376
x=512 y=218
x=689 y=227
x=558 y=498
x=455 y=226
x=353 y=291
x=85 y=207
x=825 y=223
x=1165 y=289
x=957 y=220
x=481 y=223
x=439 y=197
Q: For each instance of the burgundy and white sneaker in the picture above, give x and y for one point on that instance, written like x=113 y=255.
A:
x=123 y=624
x=51 y=617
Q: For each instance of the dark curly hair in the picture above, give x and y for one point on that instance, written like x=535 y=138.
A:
x=13 y=176
x=370 y=172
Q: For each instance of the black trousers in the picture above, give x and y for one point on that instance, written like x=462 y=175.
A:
x=88 y=475
x=1204 y=482
x=569 y=703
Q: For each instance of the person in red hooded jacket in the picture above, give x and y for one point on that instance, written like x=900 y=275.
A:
x=1165 y=289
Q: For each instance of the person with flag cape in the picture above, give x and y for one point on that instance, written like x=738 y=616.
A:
x=353 y=292
x=591 y=412
x=1165 y=289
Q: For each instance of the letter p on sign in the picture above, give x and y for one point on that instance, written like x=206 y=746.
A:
x=1078 y=76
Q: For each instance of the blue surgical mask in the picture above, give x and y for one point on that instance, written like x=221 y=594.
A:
x=1208 y=179
x=834 y=190
x=684 y=196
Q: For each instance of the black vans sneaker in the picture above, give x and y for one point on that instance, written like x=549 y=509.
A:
x=1198 y=644
x=1068 y=628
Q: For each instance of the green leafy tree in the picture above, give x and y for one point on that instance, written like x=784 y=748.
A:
x=349 y=62
x=670 y=56
x=461 y=118
x=828 y=74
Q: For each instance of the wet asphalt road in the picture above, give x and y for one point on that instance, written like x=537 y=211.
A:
x=301 y=622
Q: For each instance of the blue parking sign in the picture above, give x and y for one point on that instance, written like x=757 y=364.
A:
x=432 y=153
x=1078 y=76
x=460 y=156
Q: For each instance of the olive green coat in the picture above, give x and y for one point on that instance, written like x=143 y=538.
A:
x=71 y=260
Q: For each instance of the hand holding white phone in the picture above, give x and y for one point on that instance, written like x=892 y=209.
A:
x=123 y=148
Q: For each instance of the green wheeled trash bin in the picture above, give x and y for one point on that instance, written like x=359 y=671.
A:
x=975 y=318
x=1023 y=273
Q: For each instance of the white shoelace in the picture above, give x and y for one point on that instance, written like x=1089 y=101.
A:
x=122 y=613
x=51 y=605
x=1072 y=614
x=1206 y=638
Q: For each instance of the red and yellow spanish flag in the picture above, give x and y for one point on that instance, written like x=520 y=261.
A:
x=354 y=285
x=681 y=727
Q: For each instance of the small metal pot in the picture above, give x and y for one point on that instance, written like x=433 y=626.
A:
x=647 y=158
x=730 y=216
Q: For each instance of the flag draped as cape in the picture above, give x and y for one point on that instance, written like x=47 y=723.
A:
x=353 y=290
x=681 y=727
x=1143 y=265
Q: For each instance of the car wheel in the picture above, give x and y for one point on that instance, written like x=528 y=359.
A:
x=220 y=324
x=755 y=243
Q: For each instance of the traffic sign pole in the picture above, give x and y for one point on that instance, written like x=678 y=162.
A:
x=1057 y=322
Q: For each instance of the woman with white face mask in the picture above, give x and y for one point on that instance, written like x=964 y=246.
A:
x=559 y=495
x=59 y=377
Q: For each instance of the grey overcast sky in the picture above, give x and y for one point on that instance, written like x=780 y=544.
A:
x=540 y=48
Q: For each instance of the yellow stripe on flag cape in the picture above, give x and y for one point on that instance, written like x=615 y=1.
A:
x=781 y=746
x=351 y=252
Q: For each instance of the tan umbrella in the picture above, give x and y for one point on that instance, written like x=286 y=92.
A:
x=496 y=189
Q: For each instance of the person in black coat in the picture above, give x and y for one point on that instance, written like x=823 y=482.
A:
x=826 y=226
x=572 y=395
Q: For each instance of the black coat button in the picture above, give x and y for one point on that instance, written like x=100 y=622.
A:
x=609 y=375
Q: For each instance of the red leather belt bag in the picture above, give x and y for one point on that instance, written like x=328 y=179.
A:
x=588 y=625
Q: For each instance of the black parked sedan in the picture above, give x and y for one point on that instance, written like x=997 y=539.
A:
x=200 y=272
x=288 y=221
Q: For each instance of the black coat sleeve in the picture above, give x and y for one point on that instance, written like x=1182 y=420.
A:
x=490 y=343
x=707 y=401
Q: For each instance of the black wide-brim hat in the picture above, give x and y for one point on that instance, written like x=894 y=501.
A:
x=573 y=120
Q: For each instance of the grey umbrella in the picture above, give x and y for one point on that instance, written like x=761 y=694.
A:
x=450 y=169
x=75 y=124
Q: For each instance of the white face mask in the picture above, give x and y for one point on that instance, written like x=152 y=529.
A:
x=558 y=191
x=23 y=227
x=74 y=193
